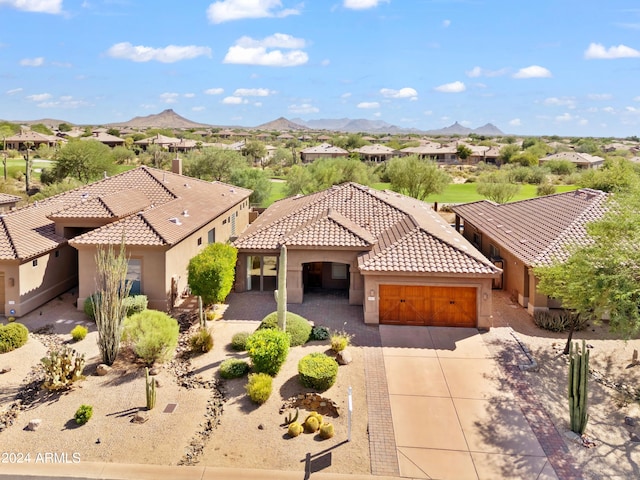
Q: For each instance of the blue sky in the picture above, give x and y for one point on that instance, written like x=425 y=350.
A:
x=565 y=67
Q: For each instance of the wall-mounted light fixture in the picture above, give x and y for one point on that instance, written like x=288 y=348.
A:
x=12 y=282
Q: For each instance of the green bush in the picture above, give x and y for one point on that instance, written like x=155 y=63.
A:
x=79 y=333
x=83 y=414
x=12 y=336
x=259 y=387
x=340 y=341
x=135 y=304
x=318 y=332
x=545 y=188
x=239 y=341
x=558 y=321
x=153 y=335
x=88 y=305
x=318 y=371
x=268 y=350
x=298 y=327
x=233 y=368
x=201 y=341
x=212 y=271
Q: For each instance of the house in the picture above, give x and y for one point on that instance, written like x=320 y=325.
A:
x=390 y=253
x=106 y=138
x=324 y=150
x=434 y=151
x=165 y=218
x=519 y=236
x=376 y=153
x=582 y=161
x=8 y=202
x=30 y=139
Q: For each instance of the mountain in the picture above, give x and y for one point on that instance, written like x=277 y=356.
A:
x=489 y=130
x=457 y=129
x=49 y=122
x=281 y=124
x=352 y=125
x=165 y=119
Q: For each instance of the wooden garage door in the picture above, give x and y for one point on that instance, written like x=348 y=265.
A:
x=433 y=306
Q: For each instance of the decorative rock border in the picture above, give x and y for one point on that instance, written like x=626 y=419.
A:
x=312 y=402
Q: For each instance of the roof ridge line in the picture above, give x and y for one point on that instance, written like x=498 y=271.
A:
x=100 y=199
x=145 y=169
x=153 y=229
x=9 y=236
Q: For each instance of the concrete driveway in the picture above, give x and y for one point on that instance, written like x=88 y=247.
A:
x=453 y=415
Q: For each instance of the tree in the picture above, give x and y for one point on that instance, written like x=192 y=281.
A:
x=85 y=160
x=463 y=152
x=507 y=152
x=299 y=181
x=212 y=271
x=114 y=131
x=616 y=175
x=256 y=151
x=602 y=278
x=495 y=186
x=109 y=308
x=41 y=128
x=213 y=164
x=327 y=172
x=122 y=155
x=416 y=177
x=253 y=179
x=65 y=127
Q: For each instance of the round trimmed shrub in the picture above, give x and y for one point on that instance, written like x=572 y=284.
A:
x=201 y=341
x=268 y=350
x=79 y=333
x=135 y=304
x=83 y=414
x=239 y=341
x=259 y=387
x=298 y=327
x=233 y=368
x=319 y=332
x=153 y=334
x=12 y=336
x=317 y=371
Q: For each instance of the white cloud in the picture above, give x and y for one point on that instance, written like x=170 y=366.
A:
x=169 y=97
x=516 y=122
x=406 y=92
x=345 y=95
x=65 y=101
x=62 y=64
x=325 y=63
x=197 y=109
x=189 y=95
x=446 y=23
x=609 y=109
x=227 y=10
x=476 y=72
x=428 y=112
x=214 y=91
x=39 y=97
x=583 y=121
x=234 y=100
x=636 y=99
x=32 y=62
x=362 y=4
x=453 y=87
x=168 y=54
x=599 y=96
x=632 y=109
x=598 y=51
x=277 y=40
x=13 y=91
x=368 y=105
x=253 y=92
x=257 y=104
x=40 y=6
x=260 y=56
x=303 y=108
x=565 y=117
x=534 y=71
x=569 y=102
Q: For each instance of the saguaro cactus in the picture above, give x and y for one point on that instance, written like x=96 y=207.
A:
x=282 y=289
x=151 y=389
x=578 y=383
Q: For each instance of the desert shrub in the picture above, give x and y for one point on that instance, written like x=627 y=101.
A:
x=89 y=305
x=545 y=188
x=233 y=368
x=340 y=340
x=83 y=414
x=79 y=333
x=317 y=371
x=153 y=335
x=298 y=327
x=201 y=341
x=558 y=321
x=12 y=336
x=62 y=368
x=259 y=387
x=268 y=350
x=212 y=271
x=319 y=332
x=135 y=304
x=239 y=341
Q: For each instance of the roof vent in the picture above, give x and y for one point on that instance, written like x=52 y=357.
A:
x=187 y=185
x=232 y=190
x=185 y=213
x=164 y=178
x=84 y=196
x=175 y=220
x=104 y=175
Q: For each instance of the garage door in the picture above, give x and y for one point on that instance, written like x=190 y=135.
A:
x=433 y=306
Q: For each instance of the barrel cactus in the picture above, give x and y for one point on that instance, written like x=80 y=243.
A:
x=311 y=424
x=326 y=430
x=295 y=429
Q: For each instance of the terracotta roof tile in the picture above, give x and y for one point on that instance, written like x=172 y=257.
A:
x=538 y=230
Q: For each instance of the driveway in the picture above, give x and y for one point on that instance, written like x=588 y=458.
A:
x=454 y=417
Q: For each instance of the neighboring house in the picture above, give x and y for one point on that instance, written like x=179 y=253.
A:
x=324 y=150
x=434 y=151
x=8 y=202
x=376 y=153
x=390 y=253
x=581 y=160
x=49 y=247
x=103 y=137
x=519 y=236
x=30 y=139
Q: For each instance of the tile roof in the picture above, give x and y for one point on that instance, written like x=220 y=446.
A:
x=375 y=149
x=6 y=198
x=575 y=157
x=324 y=148
x=30 y=231
x=538 y=230
x=394 y=233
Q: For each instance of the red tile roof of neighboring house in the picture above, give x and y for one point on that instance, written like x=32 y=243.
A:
x=394 y=233
x=157 y=195
x=537 y=230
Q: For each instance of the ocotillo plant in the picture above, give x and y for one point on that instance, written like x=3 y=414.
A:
x=282 y=289
x=151 y=389
x=578 y=383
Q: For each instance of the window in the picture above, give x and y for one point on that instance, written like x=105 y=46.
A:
x=494 y=252
x=477 y=240
x=57 y=254
x=35 y=263
x=338 y=271
x=211 y=236
x=199 y=241
x=134 y=275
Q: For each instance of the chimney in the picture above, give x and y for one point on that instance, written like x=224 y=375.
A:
x=176 y=165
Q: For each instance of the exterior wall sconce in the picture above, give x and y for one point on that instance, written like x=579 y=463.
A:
x=12 y=282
